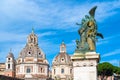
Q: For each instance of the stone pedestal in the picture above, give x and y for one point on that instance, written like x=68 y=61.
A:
x=85 y=66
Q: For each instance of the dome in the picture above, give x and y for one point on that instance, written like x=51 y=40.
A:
x=62 y=58
x=10 y=55
x=32 y=51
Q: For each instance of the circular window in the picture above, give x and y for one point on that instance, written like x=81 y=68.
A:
x=62 y=59
x=29 y=53
x=39 y=53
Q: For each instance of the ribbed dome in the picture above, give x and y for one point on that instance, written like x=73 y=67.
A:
x=32 y=51
x=62 y=58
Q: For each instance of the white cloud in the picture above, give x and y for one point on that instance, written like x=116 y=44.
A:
x=107 y=39
x=102 y=42
x=71 y=46
x=46 y=14
x=106 y=9
x=16 y=48
x=114 y=62
x=56 y=14
x=17 y=43
x=46 y=34
x=111 y=53
x=7 y=36
x=19 y=9
x=20 y=37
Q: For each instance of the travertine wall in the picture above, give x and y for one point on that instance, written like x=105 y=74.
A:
x=85 y=70
x=67 y=75
x=2 y=68
x=85 y=66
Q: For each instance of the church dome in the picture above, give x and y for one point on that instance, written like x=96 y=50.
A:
x=62 y=57
x=32 y=49
x=10 y=54
x=32 y=52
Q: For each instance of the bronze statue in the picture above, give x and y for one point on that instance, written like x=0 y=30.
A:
x=88 y=33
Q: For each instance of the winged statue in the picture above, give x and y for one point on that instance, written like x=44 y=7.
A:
x=88 y=32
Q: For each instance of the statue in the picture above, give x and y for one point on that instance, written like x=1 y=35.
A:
x=88 y=33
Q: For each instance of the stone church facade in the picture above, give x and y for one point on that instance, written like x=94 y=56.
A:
x=62 y=68
x=31 y=63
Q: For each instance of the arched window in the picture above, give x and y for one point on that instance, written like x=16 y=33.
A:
x=8 y=66
x=41 y=70
x=63 y=49
x=8 y=58
x=70 y=71
x=54 y=71
x=32 y=40
x=35 y=40
x=28 y=70
x=62 y=70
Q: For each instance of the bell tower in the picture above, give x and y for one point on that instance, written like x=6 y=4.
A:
x=10 y=65
x=62 y=47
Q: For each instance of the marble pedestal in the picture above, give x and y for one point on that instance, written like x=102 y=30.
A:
x=85 y=66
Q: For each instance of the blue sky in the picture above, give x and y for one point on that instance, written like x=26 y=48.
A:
x=54 y=21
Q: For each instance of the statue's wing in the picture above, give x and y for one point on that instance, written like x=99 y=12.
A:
x=78 y=24
x=92 y=11
x=100 y=35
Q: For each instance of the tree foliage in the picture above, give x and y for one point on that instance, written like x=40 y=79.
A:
x=105 y=69
x=116 y=70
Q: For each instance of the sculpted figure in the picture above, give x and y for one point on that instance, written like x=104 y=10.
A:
x=88 y=32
